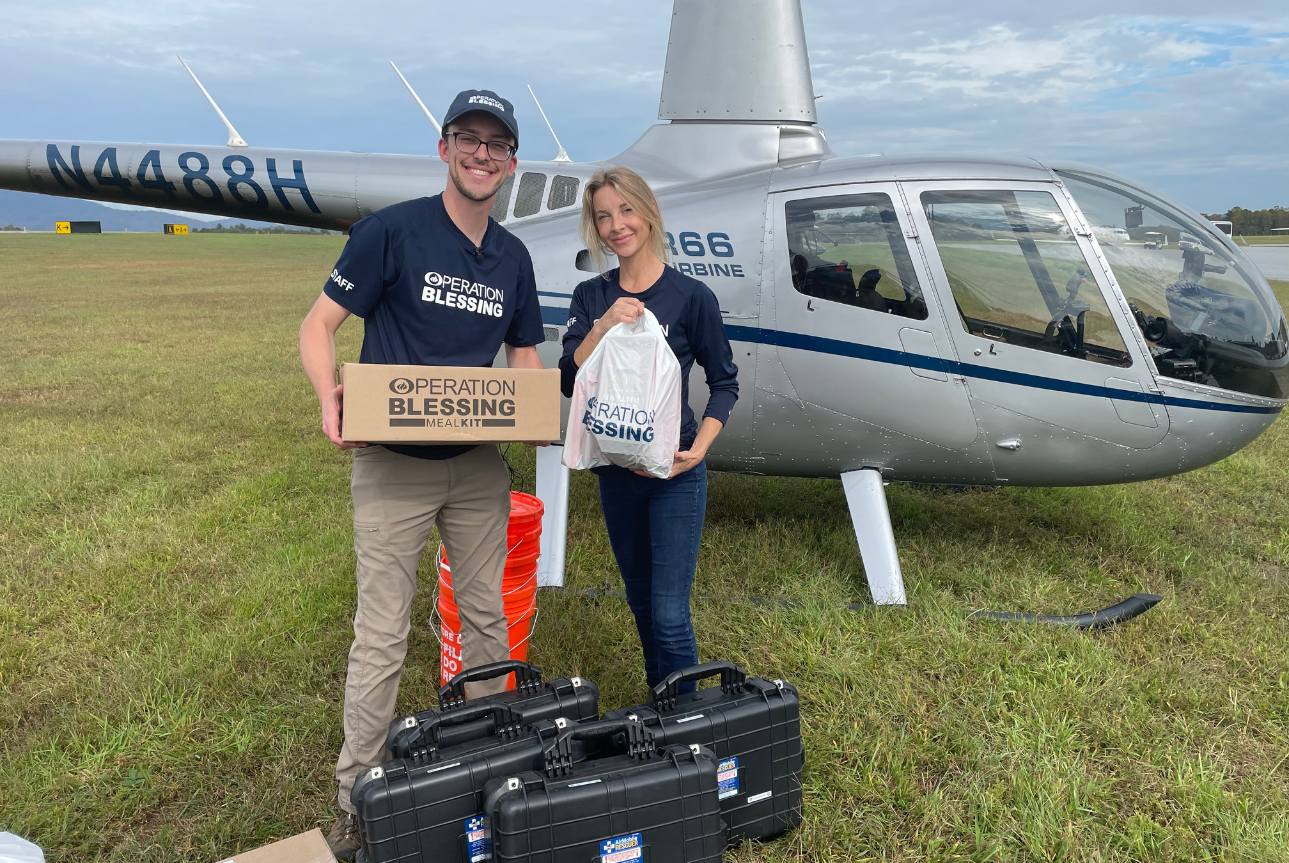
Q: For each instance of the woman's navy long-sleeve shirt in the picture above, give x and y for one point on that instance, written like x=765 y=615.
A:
x=691 y=317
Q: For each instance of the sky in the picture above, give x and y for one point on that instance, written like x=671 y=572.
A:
x=1189 y=99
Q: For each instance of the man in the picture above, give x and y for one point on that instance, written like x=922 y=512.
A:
x=446 y=242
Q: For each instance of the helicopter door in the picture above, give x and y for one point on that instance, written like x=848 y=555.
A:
x=1037 y=327
x=860 y=346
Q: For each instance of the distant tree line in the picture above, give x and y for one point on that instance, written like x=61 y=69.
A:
x=1252 y=223
x=240 y=228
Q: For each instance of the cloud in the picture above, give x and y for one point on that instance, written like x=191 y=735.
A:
x=1000 y=63
x=1167 y=89
x=1174 y=50
x=1156 y=97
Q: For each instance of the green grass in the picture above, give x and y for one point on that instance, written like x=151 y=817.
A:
x=1281 y=239
x=176 y=591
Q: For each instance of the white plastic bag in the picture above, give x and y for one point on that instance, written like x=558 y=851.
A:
x=15 y=849
x=626 y=402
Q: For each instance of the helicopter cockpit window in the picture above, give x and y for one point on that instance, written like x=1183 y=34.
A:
x=849 y=249
x=1206 y=315
x=1018 y=275
x=563 y=193
x=529 y=199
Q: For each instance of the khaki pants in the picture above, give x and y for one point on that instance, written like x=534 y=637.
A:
x=397 y=500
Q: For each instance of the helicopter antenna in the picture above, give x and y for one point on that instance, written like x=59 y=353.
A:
x=562 y=155
x=234 y=138
x=424 y=109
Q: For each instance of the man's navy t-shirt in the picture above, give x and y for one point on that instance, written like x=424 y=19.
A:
x=428 y=296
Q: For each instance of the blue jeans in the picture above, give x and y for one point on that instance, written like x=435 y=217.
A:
x=654 y=527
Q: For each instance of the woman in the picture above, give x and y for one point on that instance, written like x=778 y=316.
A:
x=654 y=525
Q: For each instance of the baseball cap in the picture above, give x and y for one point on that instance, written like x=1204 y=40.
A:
x=489 y=103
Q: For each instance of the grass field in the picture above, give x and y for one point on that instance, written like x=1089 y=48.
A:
x=1269 y=240
x=176 y=590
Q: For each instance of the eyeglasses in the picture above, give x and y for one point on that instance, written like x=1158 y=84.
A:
x=498 y=150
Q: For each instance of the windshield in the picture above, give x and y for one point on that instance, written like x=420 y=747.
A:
x=1208 y=316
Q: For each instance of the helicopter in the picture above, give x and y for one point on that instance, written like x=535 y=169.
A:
x=966 y=321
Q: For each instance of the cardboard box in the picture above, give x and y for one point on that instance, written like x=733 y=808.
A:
x=308 y=847
x=449 y=404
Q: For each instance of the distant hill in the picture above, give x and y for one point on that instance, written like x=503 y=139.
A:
x=40 y=212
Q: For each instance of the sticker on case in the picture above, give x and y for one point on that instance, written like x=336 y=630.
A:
x=622 y=849
x=727 y=778
x=478 y=839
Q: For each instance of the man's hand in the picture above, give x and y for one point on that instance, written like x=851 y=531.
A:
x=332 y=411
x=525 y=358
x=318 y=357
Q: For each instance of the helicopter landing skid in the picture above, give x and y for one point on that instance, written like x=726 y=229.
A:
x=866 y=498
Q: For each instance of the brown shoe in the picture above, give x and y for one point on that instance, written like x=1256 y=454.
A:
x=344 y=839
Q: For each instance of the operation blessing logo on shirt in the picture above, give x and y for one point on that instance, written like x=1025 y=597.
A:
x=618 y=421
x=458 y=293
x=666 y=328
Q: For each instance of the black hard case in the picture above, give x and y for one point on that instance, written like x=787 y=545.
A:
x=750 y=721
x=532 y=700
x=417 y=809
x=631 y=803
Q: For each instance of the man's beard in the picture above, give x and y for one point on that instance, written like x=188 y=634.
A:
x=466 y=193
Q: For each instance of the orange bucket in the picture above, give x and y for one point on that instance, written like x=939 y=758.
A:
x=520 y=628
x=518 y=588
x=525 y=516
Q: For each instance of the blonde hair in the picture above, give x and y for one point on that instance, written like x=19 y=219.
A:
x=636 y=192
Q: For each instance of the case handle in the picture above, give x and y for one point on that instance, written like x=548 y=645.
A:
x=506 y=724
x=637 y=742
x=528 y=678
x=732 y=677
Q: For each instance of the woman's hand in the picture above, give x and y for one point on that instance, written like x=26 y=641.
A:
x=686 y=459
x=625 y=310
